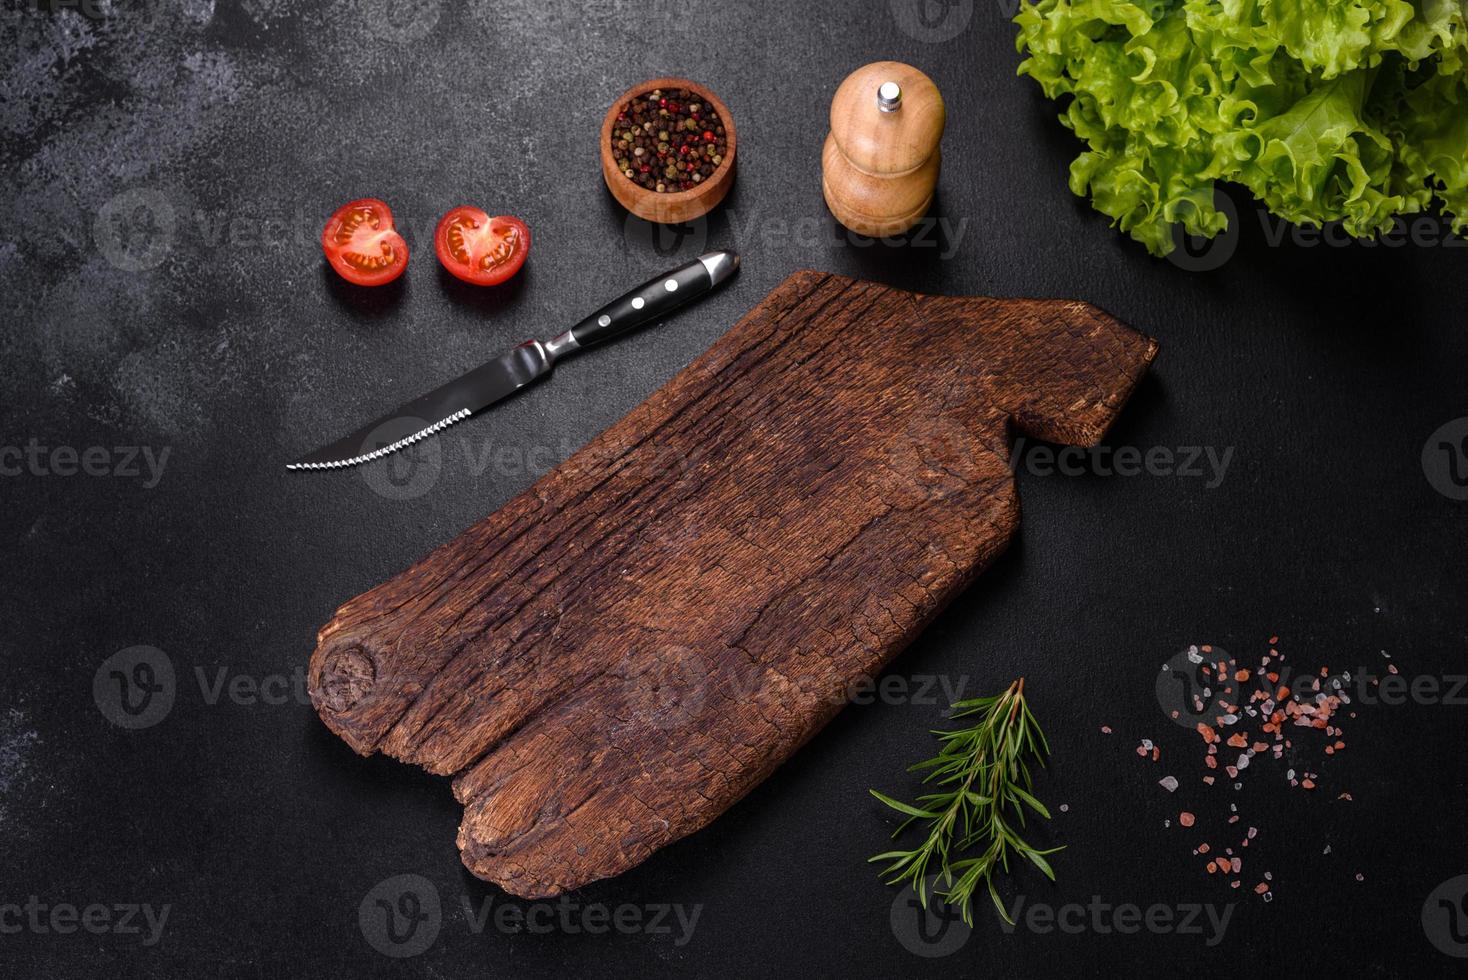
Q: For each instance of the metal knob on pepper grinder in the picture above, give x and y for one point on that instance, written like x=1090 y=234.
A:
x=879 y=167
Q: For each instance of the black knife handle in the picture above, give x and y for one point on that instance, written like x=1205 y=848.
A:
x=655 y=298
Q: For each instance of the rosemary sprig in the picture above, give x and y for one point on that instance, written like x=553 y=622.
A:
x=984 y=776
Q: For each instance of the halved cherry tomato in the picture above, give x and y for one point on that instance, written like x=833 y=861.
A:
x=362 y=245
x=479 y=249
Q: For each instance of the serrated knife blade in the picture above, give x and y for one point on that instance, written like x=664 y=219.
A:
x=496 y=380
x=435 y=411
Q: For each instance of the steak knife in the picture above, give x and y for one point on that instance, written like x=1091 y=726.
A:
x=519 y=366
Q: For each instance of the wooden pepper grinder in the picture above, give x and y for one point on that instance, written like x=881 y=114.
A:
x=881 y=159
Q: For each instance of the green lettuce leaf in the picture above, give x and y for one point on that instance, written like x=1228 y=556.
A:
x=1327 y=110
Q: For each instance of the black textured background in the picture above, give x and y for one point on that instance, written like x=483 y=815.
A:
x=194 y=313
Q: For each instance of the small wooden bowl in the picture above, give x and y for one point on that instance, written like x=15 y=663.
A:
x=678 y=206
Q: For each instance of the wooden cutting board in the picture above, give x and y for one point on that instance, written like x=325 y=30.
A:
x=616 y=656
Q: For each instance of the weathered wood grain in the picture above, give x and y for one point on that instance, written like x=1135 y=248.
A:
x=620 y=653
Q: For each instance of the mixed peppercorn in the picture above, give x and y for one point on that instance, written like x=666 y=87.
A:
x=668 y=140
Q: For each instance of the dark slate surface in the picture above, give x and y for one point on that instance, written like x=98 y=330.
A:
x=168 y=167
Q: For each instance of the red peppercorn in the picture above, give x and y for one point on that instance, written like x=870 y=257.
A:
x=708 y=135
